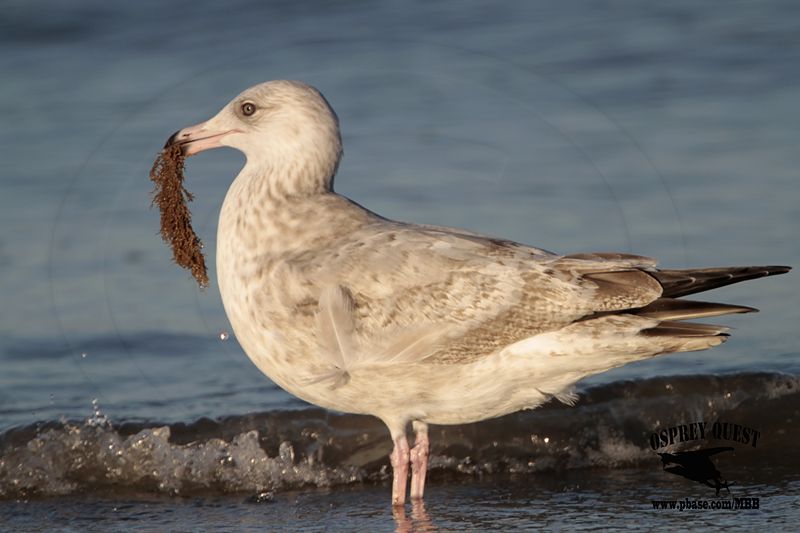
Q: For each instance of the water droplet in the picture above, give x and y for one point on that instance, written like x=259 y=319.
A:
x=98 y=418
x=223 y=335
x=84 y=355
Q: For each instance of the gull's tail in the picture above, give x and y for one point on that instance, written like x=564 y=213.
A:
x=618 y=335
x=611 y=339
x=671 y=311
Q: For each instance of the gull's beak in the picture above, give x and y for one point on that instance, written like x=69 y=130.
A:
x=198 y=138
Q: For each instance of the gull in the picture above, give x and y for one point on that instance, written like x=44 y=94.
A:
x=418 y=324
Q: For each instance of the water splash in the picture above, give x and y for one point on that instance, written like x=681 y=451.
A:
x=262 y=454
x=98 y=418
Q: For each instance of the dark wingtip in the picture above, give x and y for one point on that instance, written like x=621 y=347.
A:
x=769 y=270
x=677 y=283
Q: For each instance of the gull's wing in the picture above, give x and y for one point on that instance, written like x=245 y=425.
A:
x=467 y=294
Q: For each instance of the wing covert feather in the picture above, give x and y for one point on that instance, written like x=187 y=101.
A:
x=482 y=294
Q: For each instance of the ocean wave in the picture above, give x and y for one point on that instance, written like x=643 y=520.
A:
x=611 y=426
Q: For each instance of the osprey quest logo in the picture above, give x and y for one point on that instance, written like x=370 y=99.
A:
x=698 y=464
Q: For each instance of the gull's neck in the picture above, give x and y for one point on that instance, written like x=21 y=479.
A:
x=263 y=212
x=273 y=209
x=286 y=179
x=294 y=162
x=269 y=204
x=258 y=224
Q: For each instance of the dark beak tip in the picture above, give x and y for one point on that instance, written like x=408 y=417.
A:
x=171 y=139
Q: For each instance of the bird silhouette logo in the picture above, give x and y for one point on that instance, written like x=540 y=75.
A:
x=697 y=466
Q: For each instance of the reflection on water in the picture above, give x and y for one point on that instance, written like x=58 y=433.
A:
x=419 y=520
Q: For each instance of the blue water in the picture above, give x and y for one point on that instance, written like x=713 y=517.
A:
x=667 y=130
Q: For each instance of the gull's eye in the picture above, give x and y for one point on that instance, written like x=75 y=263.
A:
x=248 y=108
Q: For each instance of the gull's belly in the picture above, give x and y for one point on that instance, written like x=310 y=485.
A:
x=287 y=352
x=284 y=350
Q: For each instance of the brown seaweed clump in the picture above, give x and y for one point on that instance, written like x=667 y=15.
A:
x=176 y=221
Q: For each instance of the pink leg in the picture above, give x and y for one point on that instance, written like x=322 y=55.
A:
x=399 y=460
x=419 y=460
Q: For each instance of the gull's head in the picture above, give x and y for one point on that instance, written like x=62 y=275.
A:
x=286 y=129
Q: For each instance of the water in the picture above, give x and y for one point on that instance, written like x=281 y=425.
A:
x=662 y=130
